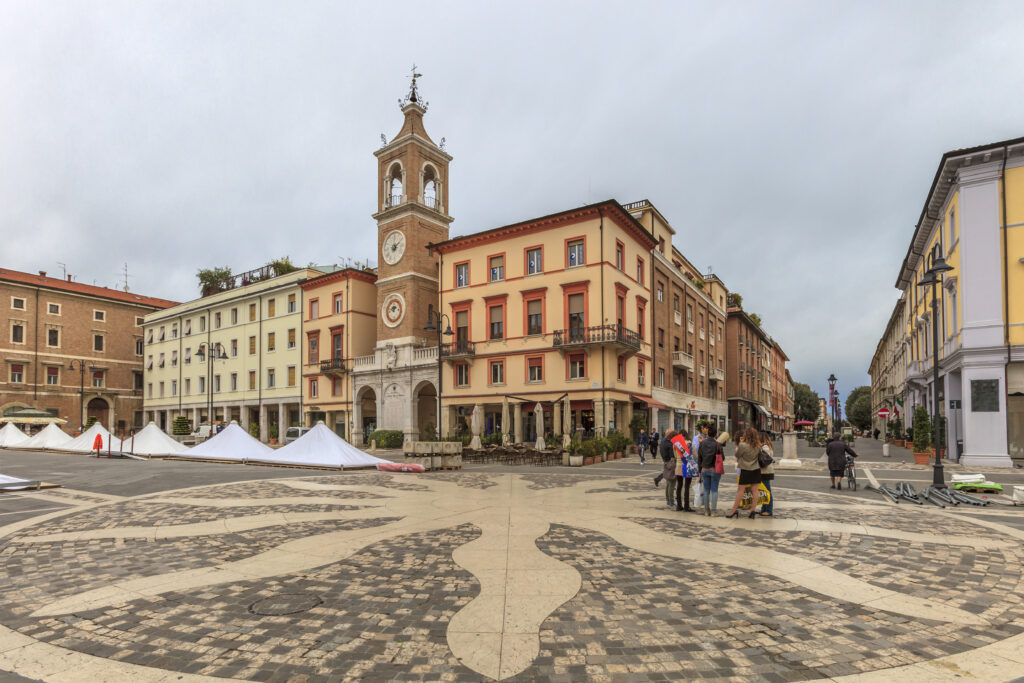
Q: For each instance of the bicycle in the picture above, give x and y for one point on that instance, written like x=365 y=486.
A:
x=851 y=476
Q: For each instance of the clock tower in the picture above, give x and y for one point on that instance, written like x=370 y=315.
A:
x=412 y=212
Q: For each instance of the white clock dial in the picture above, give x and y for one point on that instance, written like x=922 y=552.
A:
x=394 y=247
x=393 y=310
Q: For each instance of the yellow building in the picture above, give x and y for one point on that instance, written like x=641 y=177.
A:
x=547 y=310
x=339 y=324
x=973 y=218
x=233 y=355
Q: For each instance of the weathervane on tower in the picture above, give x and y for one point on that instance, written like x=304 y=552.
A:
x=414 y=96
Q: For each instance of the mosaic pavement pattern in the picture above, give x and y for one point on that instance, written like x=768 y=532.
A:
x=497 y=576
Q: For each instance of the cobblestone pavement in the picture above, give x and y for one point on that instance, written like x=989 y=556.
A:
x=480 y=575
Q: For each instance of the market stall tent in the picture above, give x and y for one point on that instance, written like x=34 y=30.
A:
x=151 y=441
x=233 y=444
x=11 y=436
x=319 y=447
x=84 y=443
x=50 y=438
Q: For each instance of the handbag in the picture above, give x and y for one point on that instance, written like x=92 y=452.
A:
x=764 y=458
x=698 y=499
x=719 y=461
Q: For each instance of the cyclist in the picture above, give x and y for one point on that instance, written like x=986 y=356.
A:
x=836 y=449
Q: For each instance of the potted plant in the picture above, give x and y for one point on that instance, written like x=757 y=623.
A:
x=922 y=436
x=896 y=432
x=273 y=435
x=588 y=451
x=575 y=457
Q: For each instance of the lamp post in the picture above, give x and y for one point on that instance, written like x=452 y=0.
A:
x=832 y=397
x=930 y=279
x=433 y=315
x=81 y=389
x=216 y=353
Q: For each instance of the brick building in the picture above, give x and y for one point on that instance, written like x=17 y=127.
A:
x=748 y=364
x=72 y=349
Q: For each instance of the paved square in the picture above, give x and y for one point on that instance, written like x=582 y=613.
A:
x=499 y=574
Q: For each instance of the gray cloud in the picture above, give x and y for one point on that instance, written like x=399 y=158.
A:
x=790 y=144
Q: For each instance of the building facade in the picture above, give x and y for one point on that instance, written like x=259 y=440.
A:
x=781 y=401
x=73 y=350
x=888 y=371
x=973 y=218
x=748 y=366
x=233 y=355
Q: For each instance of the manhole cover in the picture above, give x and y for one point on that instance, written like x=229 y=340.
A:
x=285 y=603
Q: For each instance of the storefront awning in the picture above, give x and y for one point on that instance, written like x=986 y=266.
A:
x=650 y=402
x=761 y=409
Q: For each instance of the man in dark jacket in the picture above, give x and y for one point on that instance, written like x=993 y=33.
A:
x=668 y=459
x=836 y=451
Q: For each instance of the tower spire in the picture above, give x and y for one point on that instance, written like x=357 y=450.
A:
x=413 y=96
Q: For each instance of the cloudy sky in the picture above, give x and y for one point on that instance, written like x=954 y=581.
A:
x=789 y=143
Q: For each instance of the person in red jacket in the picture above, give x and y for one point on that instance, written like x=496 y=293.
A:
x=685 y=469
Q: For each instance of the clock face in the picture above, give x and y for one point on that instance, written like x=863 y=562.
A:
x=394 y=247
x=393 y=310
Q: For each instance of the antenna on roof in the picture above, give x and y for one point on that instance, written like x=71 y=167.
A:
x=710 y=271
x=126 y=277
x=63 y=267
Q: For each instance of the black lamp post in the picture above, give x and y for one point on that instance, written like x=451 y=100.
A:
x=81 y=388
x=931 y=278
x=832 y=397
x=216 y=353
x=433 y=315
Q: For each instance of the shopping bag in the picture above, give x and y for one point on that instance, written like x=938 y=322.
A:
x=699 y=498
x=763 y=496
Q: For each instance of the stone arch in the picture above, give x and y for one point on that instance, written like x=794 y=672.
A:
x=12 y=406
x=99 y=407
x=364 y=413
x=424 y=405
x=394 y=184
x=430 y=186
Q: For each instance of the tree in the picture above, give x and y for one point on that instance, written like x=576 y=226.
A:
x=756 y=318
x=213 y=280
x=858 y=407
x=805 y=402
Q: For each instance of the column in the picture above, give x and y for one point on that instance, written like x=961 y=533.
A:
x=517 y=422
x=243 y=418
x=264 y=426
x=410 y=429
x=282 y=421
x=357 y=423
x=446 y=421
x=195 y=419
x=476 y=425
x=556 y=420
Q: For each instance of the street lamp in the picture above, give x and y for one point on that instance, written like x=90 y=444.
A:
x=81 y=388
x=832 y=397
x=433 y=315
x=931 y=278
x=217 y=353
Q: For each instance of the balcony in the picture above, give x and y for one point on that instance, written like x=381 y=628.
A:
x=703 y=371
x=333 y=366
x=681 y=359
x=702 y=334
x=458 y=349
x=717 y=375
x=598 y=335
x=677 y=317
x=689 y=326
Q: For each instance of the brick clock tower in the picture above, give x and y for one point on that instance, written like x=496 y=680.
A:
x=412 y=212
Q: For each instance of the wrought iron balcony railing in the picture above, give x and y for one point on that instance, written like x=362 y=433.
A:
x=597 y=335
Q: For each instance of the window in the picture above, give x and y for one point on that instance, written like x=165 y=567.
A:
x=161 y=385
x=97 y=379
x=640 y=270
x=97 y=342
x=661 y=338
x=640 y=320
x=462 y=275
x=137 y=381
x=53 y=337
x=271 y=308
x=17 y=334
x=689 y=312
x=535 y=317
x=496 y=267
x=234 y=381
x=620 y=255
x=314 y=351
x=138 y=347
x=252 y=312
x=202 y=324
x=188 y=387
x=675 y=303
x=461 y=328
x=17 y=373
x=577 y=317
x=138 y=323
x=174 y=358
x=252 y=346
x=174 y=331
x=675 y=343
x=534 y=261
x=535 y=369
x=620 y=311
x=234 y=348
x=17 y=303
x=661 y=290
x=149 y=390
x=252 y=380
x=291 y=338
x=574 y=254
x=621 y=374
x=661 y=377
x=53 y=309
x=313 y=390
x=160 y=362
x=496 y=318
x=461 y=375
x=497 y=372
x=174 y=387
x=314 y=309
x=270 y=378
x=188 y=355
x=577 y=366
x=641 y=377
x=99 y=316
x=202 y=385
x=291 y=303
x=291 y=375
x=952 y=226
x=336 y=386
x=188 y=330
x=216 y=322
x=271 y=341
x=234 y=316
x=336 y=345
x=337 y=303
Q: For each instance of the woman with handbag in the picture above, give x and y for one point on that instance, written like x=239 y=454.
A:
x=766 y=458
x=750 y=471
x=710 y=461
x=686 y=470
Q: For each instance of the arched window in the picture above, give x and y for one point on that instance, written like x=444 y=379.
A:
x=430 y=187
x=394 y=185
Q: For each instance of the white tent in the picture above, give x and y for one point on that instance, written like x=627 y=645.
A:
x=319 y=447
x=231 y=444
x=16 y=483
x=52 y=437
x=11 y=436
x=151 y=441
x=84 y=442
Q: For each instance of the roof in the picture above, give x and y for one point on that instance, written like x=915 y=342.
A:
x=79 y=288
x=339 y=275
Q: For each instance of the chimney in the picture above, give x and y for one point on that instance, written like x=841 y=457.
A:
x=42 y=273
x=69 y=278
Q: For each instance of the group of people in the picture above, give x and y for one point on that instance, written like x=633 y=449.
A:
x=703 y=459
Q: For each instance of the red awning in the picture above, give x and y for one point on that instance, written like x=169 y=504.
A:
x=581 y=405
x=650 y=402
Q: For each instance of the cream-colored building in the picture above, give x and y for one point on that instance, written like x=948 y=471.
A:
x=233 y=355
x=889 y=370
